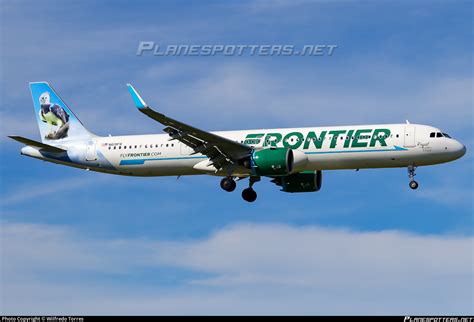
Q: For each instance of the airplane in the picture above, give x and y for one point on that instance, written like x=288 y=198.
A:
x=293 y=158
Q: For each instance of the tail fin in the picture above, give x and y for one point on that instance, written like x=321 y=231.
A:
x=56 y=121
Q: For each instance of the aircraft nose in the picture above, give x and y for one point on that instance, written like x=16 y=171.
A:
x=459 y=149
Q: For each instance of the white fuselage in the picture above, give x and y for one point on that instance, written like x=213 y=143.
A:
x=326 y=148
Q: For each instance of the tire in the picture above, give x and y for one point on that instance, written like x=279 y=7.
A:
x=413 y=184
x=249 y=195
x=228 y=184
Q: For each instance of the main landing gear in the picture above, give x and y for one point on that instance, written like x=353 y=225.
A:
x=249 y=194
x=228 y=184
x=411 y=174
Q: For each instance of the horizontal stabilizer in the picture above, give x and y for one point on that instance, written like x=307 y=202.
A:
x=36 y=144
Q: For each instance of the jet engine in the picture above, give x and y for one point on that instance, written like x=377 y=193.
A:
x=277 y=161
x=306 y=181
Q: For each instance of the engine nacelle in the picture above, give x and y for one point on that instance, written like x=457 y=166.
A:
x=300 y=160
x=307 y=181
x=272 y=162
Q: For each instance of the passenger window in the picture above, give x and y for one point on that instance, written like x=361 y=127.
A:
x=167 y=145
x=432 y=134
x=397 y=135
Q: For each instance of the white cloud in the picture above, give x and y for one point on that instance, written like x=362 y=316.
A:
x=242 y=95
x=247 y=269
x=450 y=194
x=245 y=95
x=219 y=92
x=250 y=269
x=37 y=189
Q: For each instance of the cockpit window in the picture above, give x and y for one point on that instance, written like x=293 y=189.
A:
x=438 y=135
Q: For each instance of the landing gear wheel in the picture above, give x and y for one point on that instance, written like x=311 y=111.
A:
x=249 y=195
x=228 y=184
x=411 y=174
x=413 y=184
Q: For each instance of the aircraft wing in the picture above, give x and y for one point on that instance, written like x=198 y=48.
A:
x=221 y=151
x=36 y=144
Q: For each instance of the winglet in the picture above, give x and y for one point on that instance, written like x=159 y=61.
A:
x=137 y=99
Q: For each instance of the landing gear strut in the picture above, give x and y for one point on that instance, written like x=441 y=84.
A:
x=411 y=174
x=228 y=184
x=249 y=194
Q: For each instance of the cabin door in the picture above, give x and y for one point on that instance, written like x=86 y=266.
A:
x=409 y=139
x=91 y=151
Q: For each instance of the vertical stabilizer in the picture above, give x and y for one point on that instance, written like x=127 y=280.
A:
x=55 y=119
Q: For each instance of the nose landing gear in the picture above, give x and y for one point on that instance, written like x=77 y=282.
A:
x=411 y=174
x=413 y=184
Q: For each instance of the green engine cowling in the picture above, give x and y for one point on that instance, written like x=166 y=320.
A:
x=307 y=181
x=272 y=162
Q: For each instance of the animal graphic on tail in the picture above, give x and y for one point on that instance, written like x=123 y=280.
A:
x=54 y=115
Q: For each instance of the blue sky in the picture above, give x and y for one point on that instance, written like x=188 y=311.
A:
x=77 y=242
